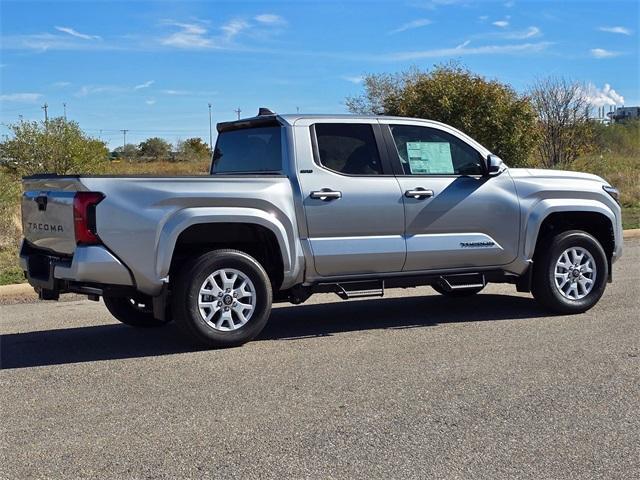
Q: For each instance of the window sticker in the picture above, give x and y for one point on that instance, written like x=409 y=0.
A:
x=430 y=158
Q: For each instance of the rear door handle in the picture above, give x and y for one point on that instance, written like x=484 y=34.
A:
x=418 y=193
x=326 y=194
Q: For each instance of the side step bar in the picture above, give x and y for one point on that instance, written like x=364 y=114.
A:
x=367 y=289
x=375 y=288
x=463 y=281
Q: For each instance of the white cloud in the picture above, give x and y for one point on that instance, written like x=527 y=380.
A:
x=602 y=53
x=175 y=92
x=602 y=97
x=93 y=89
x=483 y=17
x=420 y=22
x=460 y=50
x=501 y=23
x=20 y=97
x=619 y=30
x=150 y=101
x=528 y=33
x=146 y=84
x=60 y=84
x=353 y=79
x=270 y=19
x=462 y=45
x=509 y=4
x=233 y=28
x=75 y=33
x=433 y=4
x=191 y=35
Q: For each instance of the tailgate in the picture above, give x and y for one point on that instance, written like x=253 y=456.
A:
x=47 y=212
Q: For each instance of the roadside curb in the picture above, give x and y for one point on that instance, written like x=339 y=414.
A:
x=26 y=290
x=16 y=289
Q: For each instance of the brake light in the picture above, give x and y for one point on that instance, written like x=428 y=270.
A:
x=84 y=217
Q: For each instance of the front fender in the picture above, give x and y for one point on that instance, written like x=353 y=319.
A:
x=187 y=217
x=546 y=207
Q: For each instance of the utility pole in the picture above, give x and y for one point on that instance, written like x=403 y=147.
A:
x=46 y=116
x=237 y=110
x=64 y=106
x=124 y=137
x=210 y=131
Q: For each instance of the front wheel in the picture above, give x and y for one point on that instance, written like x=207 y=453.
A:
x=222 y=298
x=570 y=272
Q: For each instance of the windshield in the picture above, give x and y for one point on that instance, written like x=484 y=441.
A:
x=248 y=150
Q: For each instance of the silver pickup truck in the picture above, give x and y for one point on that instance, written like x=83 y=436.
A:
x=299 y=204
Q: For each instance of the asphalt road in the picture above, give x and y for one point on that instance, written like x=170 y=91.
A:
x=409 y=386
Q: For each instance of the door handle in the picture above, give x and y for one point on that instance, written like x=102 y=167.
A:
x=418 y=193
x=326 y=194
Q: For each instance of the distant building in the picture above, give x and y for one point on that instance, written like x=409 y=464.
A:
x=623 y=114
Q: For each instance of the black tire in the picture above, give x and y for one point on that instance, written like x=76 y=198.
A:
x=135 y=312
x=186 y=292
x=467 y=292
x=544 y=287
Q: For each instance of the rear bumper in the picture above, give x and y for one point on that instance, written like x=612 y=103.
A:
x=89 y=265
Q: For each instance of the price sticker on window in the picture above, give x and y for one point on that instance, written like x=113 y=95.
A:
x=426 y=158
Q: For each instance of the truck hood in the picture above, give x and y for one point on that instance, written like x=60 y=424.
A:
x=554 y=174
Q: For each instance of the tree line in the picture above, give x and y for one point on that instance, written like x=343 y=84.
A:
x=156 y=149
x=61 y=146
x=548 y=125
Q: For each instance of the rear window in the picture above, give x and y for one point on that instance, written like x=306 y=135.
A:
x=348 y=148
x=249 y=150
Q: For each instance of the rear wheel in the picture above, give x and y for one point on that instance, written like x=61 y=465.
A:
x=222 y=298
x=570 y=272
x=132 y=311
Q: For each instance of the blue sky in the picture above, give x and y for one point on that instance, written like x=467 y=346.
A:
x=152 y=67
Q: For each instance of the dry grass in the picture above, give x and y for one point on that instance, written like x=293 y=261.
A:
x=169 y=169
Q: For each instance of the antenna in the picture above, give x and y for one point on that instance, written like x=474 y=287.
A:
x=210 y=131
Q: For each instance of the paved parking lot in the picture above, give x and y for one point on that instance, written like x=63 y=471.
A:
x=409 y=386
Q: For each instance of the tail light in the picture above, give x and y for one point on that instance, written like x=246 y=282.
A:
x=84 y=217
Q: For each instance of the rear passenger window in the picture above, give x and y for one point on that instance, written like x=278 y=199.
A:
x=429 y=151
x=348 y=148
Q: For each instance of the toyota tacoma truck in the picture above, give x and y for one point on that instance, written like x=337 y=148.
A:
x=300 y=204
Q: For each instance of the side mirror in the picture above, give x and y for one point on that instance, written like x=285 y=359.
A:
x=495 y=166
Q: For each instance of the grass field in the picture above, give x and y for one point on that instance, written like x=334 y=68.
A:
x=621 y=171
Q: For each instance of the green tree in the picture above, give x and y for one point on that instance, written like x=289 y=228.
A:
x=155 y=149
x=57 y=146
x=193 y=150
x=487 y=110
x=128 y=152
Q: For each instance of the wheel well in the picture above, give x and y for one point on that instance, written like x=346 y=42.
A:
x=255 y=240
x=593 y=223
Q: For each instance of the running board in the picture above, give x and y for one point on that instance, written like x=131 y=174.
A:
x=349 y=290
x=463 y=281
